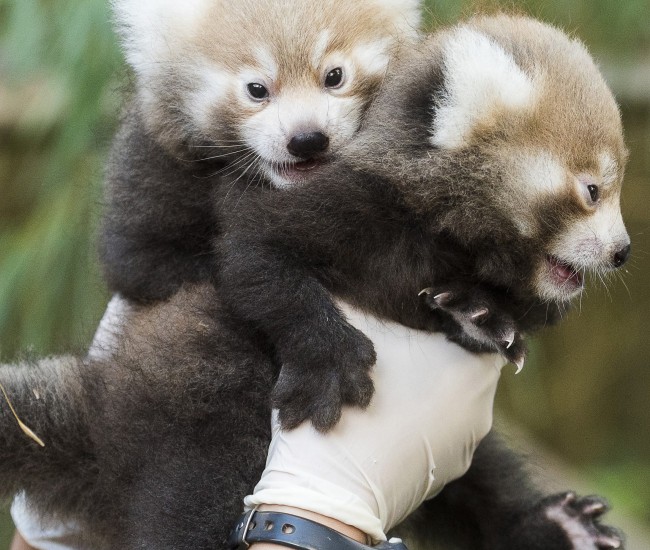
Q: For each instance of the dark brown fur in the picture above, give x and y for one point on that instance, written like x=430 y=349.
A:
x=160 y=219
x=149 y=448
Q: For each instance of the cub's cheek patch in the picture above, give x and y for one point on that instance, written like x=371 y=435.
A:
x=538 y=174
x=212 y=89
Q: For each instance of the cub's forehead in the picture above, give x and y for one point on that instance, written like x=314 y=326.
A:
x=286 y=37
x=320 y=52
x=155 y=31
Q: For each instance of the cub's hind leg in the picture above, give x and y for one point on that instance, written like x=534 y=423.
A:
x=495 y=506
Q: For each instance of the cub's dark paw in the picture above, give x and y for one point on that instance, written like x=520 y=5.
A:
x=579 y=519
x=317 y=387
x=481 y=320
x=566 y=522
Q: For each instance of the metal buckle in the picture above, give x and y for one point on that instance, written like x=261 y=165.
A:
x=247 y=524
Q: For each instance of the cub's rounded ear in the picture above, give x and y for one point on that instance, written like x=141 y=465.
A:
x=481 y=80
x=152 y=30
x=408 y=15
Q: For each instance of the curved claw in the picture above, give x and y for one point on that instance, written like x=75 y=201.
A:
x=480 y=314
x=604 y=541
x=509 y=339
x=595 y=509
x=442 y=298
x=426 y=291
x=519 y=362
x=569 y=498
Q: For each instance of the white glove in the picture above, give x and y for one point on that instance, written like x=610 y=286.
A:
x=432 y=406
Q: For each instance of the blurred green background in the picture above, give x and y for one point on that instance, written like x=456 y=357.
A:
x=585 y=392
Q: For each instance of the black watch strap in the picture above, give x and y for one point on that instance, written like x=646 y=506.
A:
x=295 y=532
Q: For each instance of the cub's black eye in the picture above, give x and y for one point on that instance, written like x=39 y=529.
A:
x=593 y=192
x=334 y=78
x=257 y=91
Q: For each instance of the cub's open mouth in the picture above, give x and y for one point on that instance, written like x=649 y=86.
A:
x=565 y=275
x=299 y=170
x=306 y=165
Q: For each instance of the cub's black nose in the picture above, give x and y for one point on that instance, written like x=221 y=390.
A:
x=621 y=256
x=308 y=144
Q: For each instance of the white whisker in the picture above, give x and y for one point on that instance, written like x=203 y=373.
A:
x=229 y=153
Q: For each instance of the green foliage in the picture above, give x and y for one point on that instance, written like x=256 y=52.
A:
x=58 y=65
x=6 y=529
x=609 y=26
x=626 y=483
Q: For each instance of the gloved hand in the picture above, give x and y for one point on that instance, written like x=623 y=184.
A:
x=432 y=406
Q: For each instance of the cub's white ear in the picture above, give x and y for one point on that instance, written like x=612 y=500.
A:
x=407 y=14
x=153 y=30
x=481 y=79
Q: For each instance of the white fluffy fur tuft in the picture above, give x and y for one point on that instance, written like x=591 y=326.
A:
x=608 y=169
x=212 y=85
x=480 y=77
x=373 y=56
x=540 y=174
x=154 y=30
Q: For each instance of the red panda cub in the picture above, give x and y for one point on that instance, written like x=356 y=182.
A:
x=263 y=89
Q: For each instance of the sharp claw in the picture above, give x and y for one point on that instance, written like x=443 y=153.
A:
x=426 y=291
x=480 y=313
x=594 y=509
x=520 y=364
x=569 y=498
x=509 y=339
x=608 y=542
x=441 y=298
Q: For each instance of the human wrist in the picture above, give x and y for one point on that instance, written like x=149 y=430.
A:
x=19 y=543
x=343 y=528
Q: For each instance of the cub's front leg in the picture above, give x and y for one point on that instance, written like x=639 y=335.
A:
x=495 y=506
x=478 y=319
x=326 y=362
x=566 y=522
